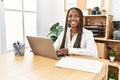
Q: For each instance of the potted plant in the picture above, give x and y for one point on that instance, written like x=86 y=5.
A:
x=112 y=55
x=55 y=30
x=111 y=75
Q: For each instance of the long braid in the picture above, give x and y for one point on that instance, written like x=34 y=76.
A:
x=80 y=30
x=66 y=25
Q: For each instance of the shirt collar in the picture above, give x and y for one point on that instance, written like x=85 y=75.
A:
x=83 y=29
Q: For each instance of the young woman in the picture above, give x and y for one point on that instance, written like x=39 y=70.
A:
x=75 y=39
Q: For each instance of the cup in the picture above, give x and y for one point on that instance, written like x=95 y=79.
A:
x=20 y=51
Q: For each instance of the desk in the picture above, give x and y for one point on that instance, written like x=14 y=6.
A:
x=33 y=67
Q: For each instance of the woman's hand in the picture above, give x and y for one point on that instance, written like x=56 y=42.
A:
x=63 y=51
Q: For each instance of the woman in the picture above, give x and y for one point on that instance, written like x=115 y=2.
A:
x=75 y=39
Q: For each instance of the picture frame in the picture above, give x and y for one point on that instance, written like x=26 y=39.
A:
x=84 y=5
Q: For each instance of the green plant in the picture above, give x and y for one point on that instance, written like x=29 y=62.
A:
x=111 y=75
x=112 y=52
x=55 y=30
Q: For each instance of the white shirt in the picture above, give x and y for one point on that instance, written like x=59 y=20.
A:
x=88 y=46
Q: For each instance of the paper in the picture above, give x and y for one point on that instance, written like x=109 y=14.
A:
x=80 y=64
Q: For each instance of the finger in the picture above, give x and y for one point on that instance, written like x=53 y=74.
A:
x=58 y=51
x=61 y=52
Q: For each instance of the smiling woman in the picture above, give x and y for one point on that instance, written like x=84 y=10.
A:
x=75 y=39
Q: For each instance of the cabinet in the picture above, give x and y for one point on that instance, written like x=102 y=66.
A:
x=101 y=50
x=115 y=67
x=100 y=25
x=105 y=45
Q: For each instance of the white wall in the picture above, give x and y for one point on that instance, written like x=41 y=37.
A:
x=115 y=9
x=51 y=11
x=0 y=31
x=2 y=45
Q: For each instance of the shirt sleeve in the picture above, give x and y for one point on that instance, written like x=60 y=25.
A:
x=58 y=42
x=90 y=50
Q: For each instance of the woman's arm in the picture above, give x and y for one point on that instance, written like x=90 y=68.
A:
x=58 y=42
x=90 y=48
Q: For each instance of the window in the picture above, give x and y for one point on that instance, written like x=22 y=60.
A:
x=20 y=21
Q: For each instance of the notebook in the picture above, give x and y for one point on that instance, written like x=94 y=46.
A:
x=43 y=47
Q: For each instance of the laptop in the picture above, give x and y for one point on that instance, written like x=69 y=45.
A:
x=43 y=47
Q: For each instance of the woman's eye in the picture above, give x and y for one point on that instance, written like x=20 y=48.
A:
x=70 y=16
x=76 y=16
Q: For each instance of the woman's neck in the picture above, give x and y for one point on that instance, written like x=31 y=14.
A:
x=73 y=30
x=73 y=33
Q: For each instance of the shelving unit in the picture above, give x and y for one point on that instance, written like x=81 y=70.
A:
x=100 y=25
x=111 y=44
x=104 y=39
x=115 y=67
x=107 y=40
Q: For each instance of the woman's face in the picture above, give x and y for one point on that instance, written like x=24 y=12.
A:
x=73 y=18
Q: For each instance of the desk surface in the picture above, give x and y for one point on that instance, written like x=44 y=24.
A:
x=33 y=67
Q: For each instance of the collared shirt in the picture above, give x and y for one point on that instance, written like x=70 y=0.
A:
x=88 y=45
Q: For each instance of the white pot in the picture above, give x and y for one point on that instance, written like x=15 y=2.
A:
x=112 y=58
x=111 y=79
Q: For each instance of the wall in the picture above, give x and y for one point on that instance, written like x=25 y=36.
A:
x=2 y=41
x=51 y=11
x=0 y=30
x=115 y=10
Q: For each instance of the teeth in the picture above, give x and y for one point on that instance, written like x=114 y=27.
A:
x=73 y=22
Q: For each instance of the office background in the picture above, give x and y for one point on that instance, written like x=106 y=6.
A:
x=48 y=13
x=54 y=11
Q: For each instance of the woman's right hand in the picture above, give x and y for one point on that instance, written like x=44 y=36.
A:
x=63 y=51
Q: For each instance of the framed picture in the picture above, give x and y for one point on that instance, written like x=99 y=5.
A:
x=88 y=4
x=69 y=3
x=74 y=3
x=93 y=3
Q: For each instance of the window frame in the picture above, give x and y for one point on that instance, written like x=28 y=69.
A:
x=3 y=28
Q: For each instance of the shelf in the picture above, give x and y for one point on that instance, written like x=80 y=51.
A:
x=99 y=22
x=98 y=15
x=107 y=40
x=104 y=41
x=115 y=63
x=115 y=67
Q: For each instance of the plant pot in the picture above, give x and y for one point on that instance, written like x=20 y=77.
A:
x=111 y=79
x=112 y=58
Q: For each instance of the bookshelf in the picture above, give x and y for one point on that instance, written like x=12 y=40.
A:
x=101 y=26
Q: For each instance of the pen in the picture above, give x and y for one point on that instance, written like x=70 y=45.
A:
x=19 y=44
x=15 y=45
